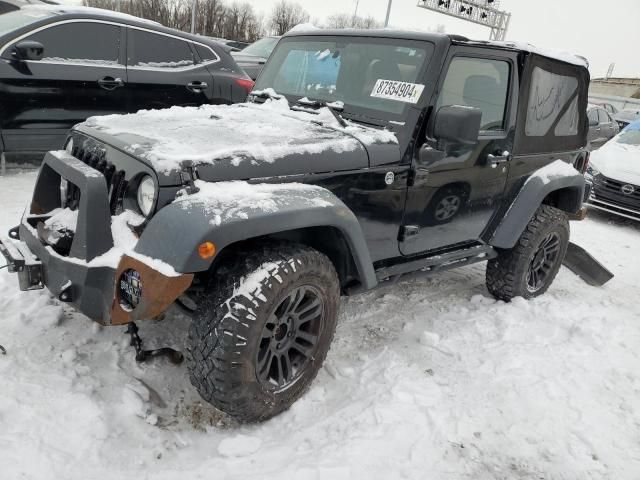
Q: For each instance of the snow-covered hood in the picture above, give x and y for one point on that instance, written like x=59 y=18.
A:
x=237 y=142
x=618 y=161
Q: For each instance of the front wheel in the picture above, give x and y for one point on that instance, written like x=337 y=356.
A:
x=528 y=269
x=261 y=334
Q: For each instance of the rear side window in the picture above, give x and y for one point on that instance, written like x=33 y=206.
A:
x=553 y=105
x=480 y=83
x=592 y=115
x=205 y=53
x=151 y=50
x=80 y=42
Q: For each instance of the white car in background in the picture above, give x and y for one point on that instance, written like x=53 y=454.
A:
x=614 y=174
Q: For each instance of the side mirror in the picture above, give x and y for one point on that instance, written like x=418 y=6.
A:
x=28 y=50
x=458 y=124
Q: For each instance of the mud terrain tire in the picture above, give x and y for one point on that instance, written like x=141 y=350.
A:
x=274 y=300
x=541 y=247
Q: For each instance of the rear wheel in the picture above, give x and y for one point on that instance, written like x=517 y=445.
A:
x=528 y=269
x=260 y=336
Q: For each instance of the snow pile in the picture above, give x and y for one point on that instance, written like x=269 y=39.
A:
x=249 y=131
x=236 y=200
x=426 y=379
x=239 y=446
x=62 y=219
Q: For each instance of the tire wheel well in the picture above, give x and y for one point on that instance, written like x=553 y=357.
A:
x=327 y=240
x=565 y=199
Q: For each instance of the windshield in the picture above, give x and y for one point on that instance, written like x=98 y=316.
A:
x=20 y=18
x=630 y=135
x=375 y=77
x=628 y=114
x=261 y=48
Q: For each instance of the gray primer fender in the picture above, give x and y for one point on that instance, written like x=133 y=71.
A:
x=533 y=192
x=174 y=233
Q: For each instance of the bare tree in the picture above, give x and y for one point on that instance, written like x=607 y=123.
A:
x=345 y=20
x=286 y=15
x=214 y=18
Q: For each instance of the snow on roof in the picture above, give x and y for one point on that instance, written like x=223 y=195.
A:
x=557 y=55
x=248 y=131
x=304 y=27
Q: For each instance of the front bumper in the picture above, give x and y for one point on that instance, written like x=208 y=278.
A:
x=87 y=278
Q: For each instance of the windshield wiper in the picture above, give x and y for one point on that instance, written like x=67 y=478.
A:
x=334 y=108
x=265 y=94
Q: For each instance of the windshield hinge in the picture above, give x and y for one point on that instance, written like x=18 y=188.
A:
x=189 y=175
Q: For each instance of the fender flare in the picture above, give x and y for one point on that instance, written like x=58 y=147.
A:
x=536 y=188
x=174 y=232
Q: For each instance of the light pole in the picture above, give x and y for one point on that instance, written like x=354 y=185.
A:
x=193 y=16
x=355 y=14
x=386 y=20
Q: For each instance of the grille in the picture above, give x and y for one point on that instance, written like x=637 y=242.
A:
x=116 y=183
x=611 y=190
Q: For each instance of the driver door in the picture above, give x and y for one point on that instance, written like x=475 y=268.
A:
x=455 y=190
x=42 y=99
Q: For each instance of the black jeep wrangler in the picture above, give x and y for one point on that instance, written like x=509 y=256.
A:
x=360 y=156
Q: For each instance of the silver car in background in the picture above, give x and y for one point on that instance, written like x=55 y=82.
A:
x=602 y=127
x=614 y=174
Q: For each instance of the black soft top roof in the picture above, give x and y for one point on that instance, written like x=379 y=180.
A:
x=441 y=38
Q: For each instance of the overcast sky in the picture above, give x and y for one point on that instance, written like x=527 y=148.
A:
x=603 y=31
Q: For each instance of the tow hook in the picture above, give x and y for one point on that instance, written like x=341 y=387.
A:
x=142 y=355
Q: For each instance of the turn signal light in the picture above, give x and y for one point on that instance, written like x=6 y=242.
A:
x=206 y=250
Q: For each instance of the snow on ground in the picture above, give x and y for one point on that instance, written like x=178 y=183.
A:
x=429 y=378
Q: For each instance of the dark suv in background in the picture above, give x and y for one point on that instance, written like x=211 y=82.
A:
x=61 y=65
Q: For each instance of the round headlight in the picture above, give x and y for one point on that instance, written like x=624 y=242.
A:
x=69 y=147
x=146 y=195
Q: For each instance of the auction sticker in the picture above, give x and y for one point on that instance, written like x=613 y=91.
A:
x=399 y=91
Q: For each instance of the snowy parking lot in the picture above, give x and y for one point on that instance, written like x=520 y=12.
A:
x=428 y=378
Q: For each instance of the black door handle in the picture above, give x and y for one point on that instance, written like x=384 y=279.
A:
x=110 y=83
x=197 y=86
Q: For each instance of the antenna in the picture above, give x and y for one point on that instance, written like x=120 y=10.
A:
x=481 y=12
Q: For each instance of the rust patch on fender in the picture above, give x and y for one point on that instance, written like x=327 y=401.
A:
x=158 y=292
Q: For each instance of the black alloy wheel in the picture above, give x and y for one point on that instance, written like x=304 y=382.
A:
x=290 y=338
x=543 y=262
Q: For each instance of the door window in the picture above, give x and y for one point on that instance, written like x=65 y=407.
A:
x=480 y=83
x=604 y=116
x=593 y=117
x=150 y=50
x=80 y=42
